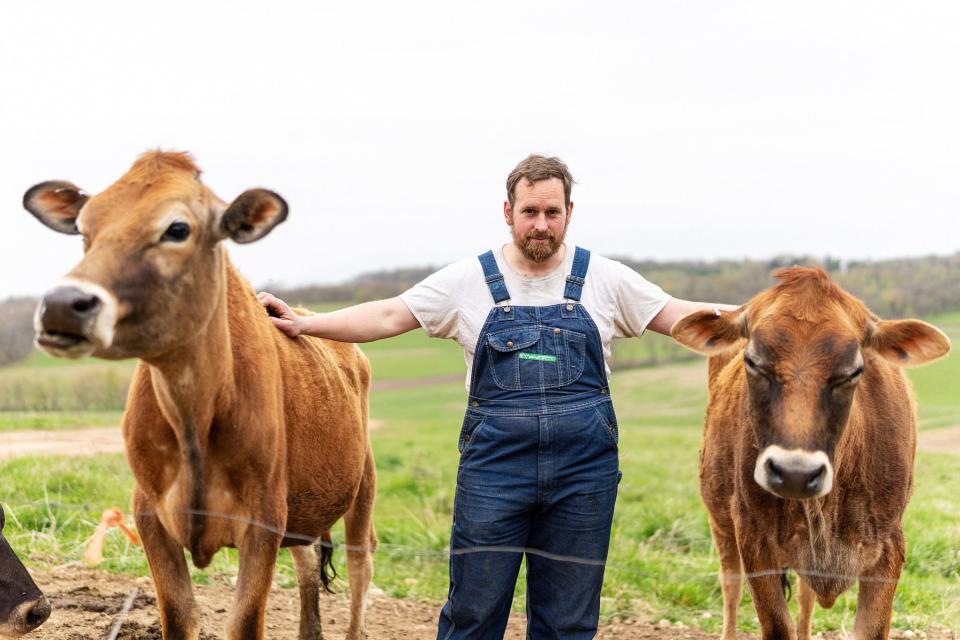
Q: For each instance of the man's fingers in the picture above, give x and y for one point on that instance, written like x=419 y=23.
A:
x=286 y=326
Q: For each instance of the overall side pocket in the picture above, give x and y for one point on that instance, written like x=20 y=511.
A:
x=471 y=422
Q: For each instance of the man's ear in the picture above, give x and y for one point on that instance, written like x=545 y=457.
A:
x=56 y=204
x=907 y=343
x=252 y=215
x=508 y=213
x=710 y=332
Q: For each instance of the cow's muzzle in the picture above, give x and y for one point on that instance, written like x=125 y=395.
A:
x=794 y=473
x=25 y=618
x=75 y=319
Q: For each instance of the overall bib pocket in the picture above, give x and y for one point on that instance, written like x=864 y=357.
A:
x=539 y=357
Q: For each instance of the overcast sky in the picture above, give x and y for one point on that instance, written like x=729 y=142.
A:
x=694 y=129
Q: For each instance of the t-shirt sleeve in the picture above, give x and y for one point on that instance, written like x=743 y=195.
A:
x=638 y=302
x=433 y=301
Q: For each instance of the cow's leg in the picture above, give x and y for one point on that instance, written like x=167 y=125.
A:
x=258 y=555
x=877 y=588
x=731 y=575
x=361 y=542
x=767 y=592
x=308 y=577
x=805 y=600
x=179 y=618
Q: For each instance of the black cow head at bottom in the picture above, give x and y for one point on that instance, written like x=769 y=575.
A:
x=23 y=607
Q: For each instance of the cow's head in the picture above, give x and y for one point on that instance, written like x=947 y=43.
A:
x=22 y=607
x=152 y=261
x=806 y=346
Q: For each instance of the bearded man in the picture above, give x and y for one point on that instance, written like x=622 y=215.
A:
x=538 y=446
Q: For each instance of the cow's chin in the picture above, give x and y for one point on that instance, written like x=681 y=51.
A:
x=63 y=345
x=794 y=474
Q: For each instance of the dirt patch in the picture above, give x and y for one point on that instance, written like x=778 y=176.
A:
x=80 y=442
x=88 y=604
x=945 y=440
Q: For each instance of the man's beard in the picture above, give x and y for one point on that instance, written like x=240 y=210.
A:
x=538 y=251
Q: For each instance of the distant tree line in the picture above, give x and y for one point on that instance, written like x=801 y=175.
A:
x=891 y=288
x=895 y=288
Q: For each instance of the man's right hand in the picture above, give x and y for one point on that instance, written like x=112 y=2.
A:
x=281 y=315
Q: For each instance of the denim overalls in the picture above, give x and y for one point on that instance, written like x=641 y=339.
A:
x=538 y=470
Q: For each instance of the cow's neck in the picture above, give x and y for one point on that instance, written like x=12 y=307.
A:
x=190 y=383
x=191 y=380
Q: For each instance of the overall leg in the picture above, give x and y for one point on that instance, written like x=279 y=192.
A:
x=570 y=535
x=805 y=601
x=496 y=491
x=179 y=617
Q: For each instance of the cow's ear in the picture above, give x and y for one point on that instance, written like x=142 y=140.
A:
x=710 y=332
x=252 y=215
x=907 y=343
x=56 y=204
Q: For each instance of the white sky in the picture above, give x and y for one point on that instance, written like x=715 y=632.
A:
x=694 y=129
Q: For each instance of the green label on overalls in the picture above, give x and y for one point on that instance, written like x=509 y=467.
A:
x=537 y=356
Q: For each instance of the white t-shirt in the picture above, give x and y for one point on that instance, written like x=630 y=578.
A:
x=454 y=302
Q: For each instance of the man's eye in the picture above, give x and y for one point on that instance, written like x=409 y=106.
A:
x=176 y=232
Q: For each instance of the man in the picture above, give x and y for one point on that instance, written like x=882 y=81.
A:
x=538 y=468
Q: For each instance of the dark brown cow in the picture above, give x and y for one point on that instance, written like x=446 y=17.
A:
x=22 y=607
x=807 y=459
x=237 y=436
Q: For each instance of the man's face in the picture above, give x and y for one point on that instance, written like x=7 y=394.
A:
x=538 y=218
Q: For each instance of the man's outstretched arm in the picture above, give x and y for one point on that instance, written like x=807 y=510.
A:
x=677 y=308
x=364 y=322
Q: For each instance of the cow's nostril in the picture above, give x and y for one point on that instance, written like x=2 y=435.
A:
x=86 y=305
x=38 y=613
x=816 y=478
x=774 y=473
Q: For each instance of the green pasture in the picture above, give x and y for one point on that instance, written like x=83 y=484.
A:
x=662 y=563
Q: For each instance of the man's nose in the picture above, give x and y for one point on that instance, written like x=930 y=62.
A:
x=540 y=223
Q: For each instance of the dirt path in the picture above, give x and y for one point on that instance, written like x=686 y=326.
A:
x=945 y=440
x=79 y=442
x=85 y=442
x=87 y=604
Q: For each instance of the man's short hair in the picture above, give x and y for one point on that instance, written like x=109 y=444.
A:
x=535 y=168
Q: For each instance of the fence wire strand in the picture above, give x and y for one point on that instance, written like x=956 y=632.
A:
x=444 y=553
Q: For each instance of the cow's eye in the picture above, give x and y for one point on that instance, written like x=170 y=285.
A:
x=751 y=365
x=848 y=380
x=176 y=232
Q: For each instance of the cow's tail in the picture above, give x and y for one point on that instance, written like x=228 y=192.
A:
x=327 y=570
x=785 y=584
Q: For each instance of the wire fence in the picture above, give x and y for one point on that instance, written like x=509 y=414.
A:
x=442 y=554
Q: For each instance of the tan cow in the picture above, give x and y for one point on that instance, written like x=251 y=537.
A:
x=237 y=436
x=807 y=459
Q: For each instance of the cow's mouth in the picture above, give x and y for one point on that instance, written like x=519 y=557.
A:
x=64 y=345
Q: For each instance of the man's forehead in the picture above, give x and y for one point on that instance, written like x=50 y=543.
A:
x=549 y=188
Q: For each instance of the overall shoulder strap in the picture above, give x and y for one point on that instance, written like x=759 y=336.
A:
x=498 y=288
x=578 y=274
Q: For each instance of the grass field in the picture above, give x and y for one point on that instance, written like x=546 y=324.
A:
x=662 y=563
